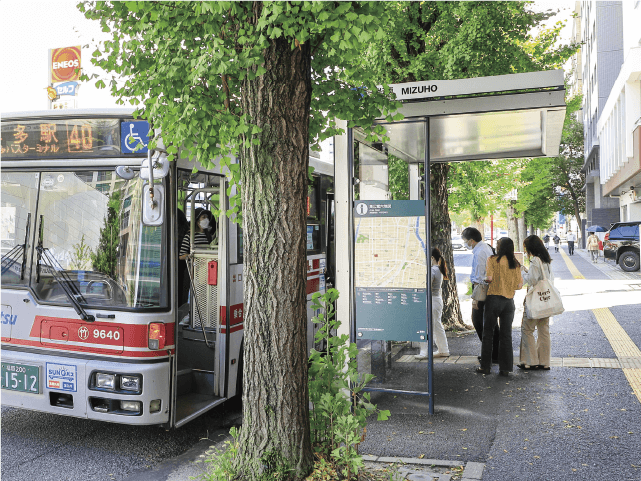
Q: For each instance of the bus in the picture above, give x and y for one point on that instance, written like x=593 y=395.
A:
x=101 y=319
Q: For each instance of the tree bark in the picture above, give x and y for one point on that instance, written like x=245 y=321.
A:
x=512 y=231
x=275 y=434
x=521 y=230
x=441 y=226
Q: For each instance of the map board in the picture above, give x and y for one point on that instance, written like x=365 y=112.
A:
x=390 y=270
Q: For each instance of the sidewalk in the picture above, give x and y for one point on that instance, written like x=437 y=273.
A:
x=580 y=420
x=608 y=267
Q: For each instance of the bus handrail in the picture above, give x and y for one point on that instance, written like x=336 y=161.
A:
x=190 y=265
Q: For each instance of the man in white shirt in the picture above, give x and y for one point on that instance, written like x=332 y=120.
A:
x=473 y=240
x=571 y=240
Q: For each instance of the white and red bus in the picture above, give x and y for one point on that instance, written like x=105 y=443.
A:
x=100 y=319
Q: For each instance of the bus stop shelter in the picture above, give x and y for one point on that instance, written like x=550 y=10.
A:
x=383 y=245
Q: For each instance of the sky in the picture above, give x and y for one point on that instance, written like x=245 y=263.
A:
x=32 y=27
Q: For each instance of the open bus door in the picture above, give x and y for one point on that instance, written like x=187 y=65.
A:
x=199 y=376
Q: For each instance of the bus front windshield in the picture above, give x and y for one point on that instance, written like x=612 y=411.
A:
x=89 y=240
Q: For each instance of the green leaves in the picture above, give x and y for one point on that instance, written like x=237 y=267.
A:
x=340 y=408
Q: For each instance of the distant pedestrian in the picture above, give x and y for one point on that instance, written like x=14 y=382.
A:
x=504 y=277
x=593 y=247
x=557 y=241
x=546 y=240
x=481 y=252
x=438 y=272
x=571 y=240
x=535 y=354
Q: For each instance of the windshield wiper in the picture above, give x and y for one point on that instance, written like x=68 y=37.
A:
x=11 y=258
x=60 y=276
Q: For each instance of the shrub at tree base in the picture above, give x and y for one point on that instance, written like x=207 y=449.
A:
x=338 y=419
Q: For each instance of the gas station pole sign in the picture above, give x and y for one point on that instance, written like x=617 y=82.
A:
x=64 y=73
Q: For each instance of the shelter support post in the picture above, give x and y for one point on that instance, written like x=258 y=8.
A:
x=428 y=259
x=344 y=229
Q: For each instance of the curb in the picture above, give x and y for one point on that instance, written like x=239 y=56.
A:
x=184 y=466
x=472 y=472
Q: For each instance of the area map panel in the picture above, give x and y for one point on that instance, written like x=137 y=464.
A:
x=390 y=270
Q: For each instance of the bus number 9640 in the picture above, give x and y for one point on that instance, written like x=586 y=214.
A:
x=103 y=334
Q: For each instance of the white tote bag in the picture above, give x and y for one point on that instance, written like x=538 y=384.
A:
x=544 y=299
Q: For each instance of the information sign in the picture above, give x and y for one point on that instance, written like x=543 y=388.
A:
x=390 y=270
x=67 y=138
x=391 y=314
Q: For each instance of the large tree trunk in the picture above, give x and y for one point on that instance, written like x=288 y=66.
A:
x=579 y=229
x=441 y=227
x=521 y=231
x=512 y=231
x=275 y=433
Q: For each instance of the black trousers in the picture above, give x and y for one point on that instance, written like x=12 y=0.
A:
x=498 y=309
x=571 y=247
x=477 y=322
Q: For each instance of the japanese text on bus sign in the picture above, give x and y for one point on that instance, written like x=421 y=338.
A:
x=60 y=138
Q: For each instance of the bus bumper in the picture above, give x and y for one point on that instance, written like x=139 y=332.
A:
x=65 y=387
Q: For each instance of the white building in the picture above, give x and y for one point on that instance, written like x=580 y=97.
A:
x=575 y=83
x=601 y=59
x=619 y=125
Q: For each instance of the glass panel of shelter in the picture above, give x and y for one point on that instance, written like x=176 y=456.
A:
x=389 y=257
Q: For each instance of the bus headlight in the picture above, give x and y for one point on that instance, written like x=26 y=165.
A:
x=130 y=383
x=105 y=381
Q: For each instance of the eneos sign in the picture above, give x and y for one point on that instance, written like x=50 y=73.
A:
x=64 y=63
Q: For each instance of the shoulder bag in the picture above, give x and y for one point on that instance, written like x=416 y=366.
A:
x=479 y=293
x=543 y=300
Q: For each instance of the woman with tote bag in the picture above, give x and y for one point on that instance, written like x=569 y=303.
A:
x=535 y=354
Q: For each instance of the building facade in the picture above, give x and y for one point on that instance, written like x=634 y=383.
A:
x=601 y=58
x=619 y=125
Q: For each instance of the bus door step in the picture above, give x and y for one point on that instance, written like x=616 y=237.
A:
x=195 y=381
x=192 y=405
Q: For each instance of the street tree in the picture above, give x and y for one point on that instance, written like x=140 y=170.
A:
x=261 y=81
x=567 y=179
x=454 y=40
x=536 y=198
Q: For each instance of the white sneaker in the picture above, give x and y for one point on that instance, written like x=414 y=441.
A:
x=420 y=357
x=441 y=354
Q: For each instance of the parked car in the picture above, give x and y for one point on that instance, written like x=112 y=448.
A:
x=621 y=243
x=457 y=242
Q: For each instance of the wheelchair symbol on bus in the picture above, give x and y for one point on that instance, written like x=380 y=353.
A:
x=134 y=137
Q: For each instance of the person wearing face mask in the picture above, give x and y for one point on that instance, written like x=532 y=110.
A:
x=204 y=232
x=481 y=252
x=438 y=273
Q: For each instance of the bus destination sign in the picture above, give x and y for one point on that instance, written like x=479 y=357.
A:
x=69 y=138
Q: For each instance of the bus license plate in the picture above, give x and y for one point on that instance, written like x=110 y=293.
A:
x=20 y=377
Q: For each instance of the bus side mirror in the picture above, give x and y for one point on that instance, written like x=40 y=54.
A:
x=153 y=205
